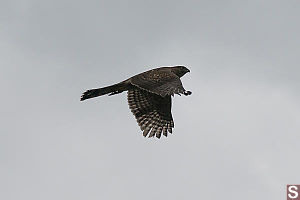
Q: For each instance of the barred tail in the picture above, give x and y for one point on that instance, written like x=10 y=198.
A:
x=111 y=90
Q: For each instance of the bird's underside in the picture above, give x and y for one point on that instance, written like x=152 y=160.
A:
x=149 y=97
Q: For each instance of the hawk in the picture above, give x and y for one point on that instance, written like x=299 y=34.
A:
x=149 y=97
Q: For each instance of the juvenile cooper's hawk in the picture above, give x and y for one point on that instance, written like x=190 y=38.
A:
x=149 y=97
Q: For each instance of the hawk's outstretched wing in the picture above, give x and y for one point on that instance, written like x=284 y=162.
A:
x=159 y=82
x=152 y=112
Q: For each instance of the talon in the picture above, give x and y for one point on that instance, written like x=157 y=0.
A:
x=186 y=93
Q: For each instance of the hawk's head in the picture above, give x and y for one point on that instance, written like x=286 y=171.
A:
x=180 y=70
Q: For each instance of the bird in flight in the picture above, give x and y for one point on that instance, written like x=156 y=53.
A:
x=149 y=97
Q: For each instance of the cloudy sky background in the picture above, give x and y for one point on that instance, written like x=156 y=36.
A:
x=236 y=137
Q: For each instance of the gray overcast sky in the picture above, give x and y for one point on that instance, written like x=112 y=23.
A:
x=236 y=137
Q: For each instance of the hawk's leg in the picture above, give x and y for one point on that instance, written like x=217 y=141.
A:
x=187 y=93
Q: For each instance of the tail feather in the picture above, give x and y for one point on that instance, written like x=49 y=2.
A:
x=111 y=90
